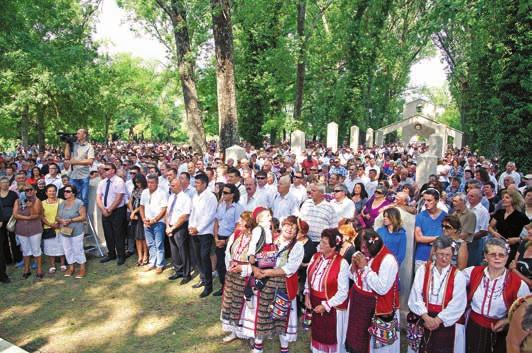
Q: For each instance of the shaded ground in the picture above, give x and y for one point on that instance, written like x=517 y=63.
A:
x=114 y=309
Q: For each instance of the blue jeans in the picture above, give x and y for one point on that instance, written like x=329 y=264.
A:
x=155 y=240
x=82 y=186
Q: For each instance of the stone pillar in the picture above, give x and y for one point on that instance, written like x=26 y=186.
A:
x=379 y=138
x=435 y=144
x=353 y=141
x=457 y=142
x=297 y=142
x=235 y=152
x=369 y=137
x=428 y=161
x=332 y=136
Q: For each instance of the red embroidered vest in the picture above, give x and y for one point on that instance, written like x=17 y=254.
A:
x=448 y=289
x=331 y=277
x=512 y=283
x=389 y=302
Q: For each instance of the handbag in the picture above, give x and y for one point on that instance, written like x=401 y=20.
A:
x=10 y=226
x=66 y=231
x=384 y=332
x=267 y=258
x=48 y=233
x=414 y=331
x=280 y=308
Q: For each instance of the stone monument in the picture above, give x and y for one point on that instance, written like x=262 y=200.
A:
x=369 y=137
x=235 y=152
x=297 y=142
x=428 y=161
x=332 y=136
x=353 y=138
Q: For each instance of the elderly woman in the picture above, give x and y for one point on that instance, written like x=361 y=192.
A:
x=437 y=301
x=452 y=229
x=28 y=211
x=53 y=247
x=508 y=222
x=70 y=217
x=491 y=291
x=326 y=292
x=393 y=234
x=7 y=202
x=276 y=286
x=238 y=272
x=374 y=298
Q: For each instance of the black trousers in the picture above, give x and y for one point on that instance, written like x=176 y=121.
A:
x=10 y=249
x=3 y=274
x=115 y=229
x=220 y=261
x=179 y=247
x=202 y=244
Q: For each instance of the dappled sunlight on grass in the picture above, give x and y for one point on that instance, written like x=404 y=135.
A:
x=151 y=325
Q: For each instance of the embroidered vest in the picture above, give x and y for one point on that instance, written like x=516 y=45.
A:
x=511 y=286
x=449 y=288
x=331 y=277
x=389 y=302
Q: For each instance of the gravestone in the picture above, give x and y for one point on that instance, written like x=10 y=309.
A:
x=379 y=138
x=428 y=161
x=369 y=137
x=235 y=152
x=332 y=136
x=353 y=138
x=297 y=142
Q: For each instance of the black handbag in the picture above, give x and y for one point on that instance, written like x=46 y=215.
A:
x=48 y=233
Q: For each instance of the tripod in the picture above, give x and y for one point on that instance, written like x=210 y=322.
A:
x=94 y=235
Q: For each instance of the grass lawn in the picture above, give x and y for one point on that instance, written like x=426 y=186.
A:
x=114 y=309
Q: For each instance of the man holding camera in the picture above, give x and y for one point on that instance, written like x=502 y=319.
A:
x=81 y=158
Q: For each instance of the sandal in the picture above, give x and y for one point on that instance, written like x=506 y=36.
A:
x=63 y=268
x=40 y=275
x=52 y=270
x=145 y=262
x=26 y=275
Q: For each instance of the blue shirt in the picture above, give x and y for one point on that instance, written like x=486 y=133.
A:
x=395 y=242
x=430 y=228
x=228 y=217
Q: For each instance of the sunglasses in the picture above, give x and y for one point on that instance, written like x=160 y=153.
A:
x=67 y=191
x=338 y=190
x=446 y=226
x=261 y=178
x=298 y=177
x=28 y=190
x=313 y=169
x=107 y=169
x=227 y=192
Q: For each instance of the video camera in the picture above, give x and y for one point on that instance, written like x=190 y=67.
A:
x=68 y=137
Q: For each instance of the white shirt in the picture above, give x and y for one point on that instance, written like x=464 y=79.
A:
x=190 y=191
x=318 y=280
x=454 y=309
x=295 y=257
x=267 y=193
x=117 y=187
x=182 y=206
x=249 y=203
x=203 y=212
x=483 y=217
x=48 y=179
x=350 y=183
x=371 y=186
x=379 y=282
x=344 y=209
x=284 y=206
x=153 y=202
x=488 y=299
x=300 y=192
x=255 y=237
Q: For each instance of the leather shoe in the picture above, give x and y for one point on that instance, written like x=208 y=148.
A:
x=128 y=254
x=5 y=280
x=107 y=259
x=218 y=293
x=120 y=261
x=175 y=276
x=185 y=280
x=205 y=293
x=198 y=285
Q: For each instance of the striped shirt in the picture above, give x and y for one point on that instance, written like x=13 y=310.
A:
x=319 y=217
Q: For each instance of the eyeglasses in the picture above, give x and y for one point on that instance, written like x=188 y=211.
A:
x=107 y=169
x=446 y=226
x=298 y=177
x=67 y=191
x=496 y=255
x=227 y=192
x=133 y=173
x=28 y=190
x=443 y=256
x=313 y=169
x=261 y=178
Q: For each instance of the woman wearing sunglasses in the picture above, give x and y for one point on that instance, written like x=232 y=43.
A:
x=70 y=217
x=451 y=228
x=491 y=291
x=28 y=212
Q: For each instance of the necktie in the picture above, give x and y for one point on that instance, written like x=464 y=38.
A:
x=172 y=208
x=107 y=186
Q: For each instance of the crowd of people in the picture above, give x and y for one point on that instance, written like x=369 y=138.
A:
x=331 y=240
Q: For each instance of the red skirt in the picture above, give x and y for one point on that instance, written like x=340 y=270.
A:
x=361 y=311
x=323 y=328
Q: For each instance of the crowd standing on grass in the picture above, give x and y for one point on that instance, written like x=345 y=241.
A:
x=323 y=239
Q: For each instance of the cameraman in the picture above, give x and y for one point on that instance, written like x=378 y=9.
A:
x=81 y=158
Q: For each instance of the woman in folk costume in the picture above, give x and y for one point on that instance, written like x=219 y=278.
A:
x=491 y=291
x=238 y=272
x=373 y=299
x=437 y=302
x=326 y=291
x=274 y=308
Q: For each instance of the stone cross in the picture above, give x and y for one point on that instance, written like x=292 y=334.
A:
x=369 y=137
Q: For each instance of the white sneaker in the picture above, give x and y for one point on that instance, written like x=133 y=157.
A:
x=230 y=338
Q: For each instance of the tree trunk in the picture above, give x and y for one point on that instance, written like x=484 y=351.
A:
x=300 y=70
x=40 y=128
x=185 y=62
x=225 y=78
x=24 y=126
